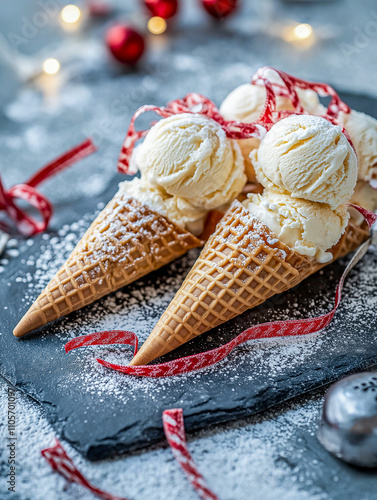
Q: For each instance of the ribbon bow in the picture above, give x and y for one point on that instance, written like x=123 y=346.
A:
x=27 y=225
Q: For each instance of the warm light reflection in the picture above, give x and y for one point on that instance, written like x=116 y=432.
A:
x=51 y=66
x=156 y=25
x=300 y=35
x=303 y=31
x=70 y=14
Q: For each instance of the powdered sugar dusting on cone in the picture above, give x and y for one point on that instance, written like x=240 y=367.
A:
x=125 y=242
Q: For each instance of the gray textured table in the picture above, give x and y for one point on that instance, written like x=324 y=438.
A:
x=276 y=454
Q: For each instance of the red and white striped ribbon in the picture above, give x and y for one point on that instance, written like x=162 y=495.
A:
x=175 y=434
x=174 y=429
x=291 y=83
x=60 y=462
x=269 y=115
x=27 y=225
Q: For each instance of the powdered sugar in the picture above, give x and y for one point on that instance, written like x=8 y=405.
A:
x=260 y=453
x=265 y=455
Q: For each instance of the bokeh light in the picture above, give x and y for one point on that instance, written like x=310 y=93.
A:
x=70 y=14
x=303 y=31
x=156 y=25
x=51 y=66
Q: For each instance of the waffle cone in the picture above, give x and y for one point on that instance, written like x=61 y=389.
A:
x=242 y=265
x=125 y=242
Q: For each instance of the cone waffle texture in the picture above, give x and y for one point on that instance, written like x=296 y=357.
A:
x=241 y=266
x=125 y=242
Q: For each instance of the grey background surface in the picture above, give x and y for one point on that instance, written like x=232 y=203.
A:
x=276 y=454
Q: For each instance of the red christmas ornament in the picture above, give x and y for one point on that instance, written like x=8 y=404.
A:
x=126 y=44
x=98 y=8
x=162 y=8
x=219 y=9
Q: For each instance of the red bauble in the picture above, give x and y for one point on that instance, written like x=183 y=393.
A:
x=98 y=8
x=162 y=8
x=126 y=44
x=220 y=8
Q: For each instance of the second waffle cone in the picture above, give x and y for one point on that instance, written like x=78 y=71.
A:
x=242 y=265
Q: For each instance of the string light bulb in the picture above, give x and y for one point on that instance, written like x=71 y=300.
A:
x=303 y=31
x=70 y=14
x=51 y=66
x=157 y=25
x=299 y=34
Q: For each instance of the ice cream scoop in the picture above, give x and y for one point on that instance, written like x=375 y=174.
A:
x=188 y=166
x=362 y=129
x=245 y=104
x=308 y=157
x=365 y=196
x=307 y=227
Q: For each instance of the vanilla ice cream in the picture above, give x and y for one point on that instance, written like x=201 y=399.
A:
x=245 y=104
x=308 y=157
x=309 y=228
x=190 y=156
x=176 y=209
x=362 y=129
x=188 y=166
x=365 y=196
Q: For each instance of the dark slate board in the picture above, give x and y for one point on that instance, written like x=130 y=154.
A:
x=102 y=412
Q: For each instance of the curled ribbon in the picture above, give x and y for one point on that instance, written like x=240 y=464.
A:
x=197 y=103
x=192 y=103
x=174 y=428
x=60 y=462
x=270 y=115
x=291 y=83
x=27 y=225
x=213 y=356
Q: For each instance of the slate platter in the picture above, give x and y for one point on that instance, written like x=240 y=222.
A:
x=101 y=412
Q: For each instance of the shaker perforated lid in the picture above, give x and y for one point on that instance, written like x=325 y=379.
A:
x=348 y=425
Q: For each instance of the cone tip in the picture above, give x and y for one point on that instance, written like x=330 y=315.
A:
x=150 y=350
x=27 y=324
x=21 y=329
x=141 y=359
